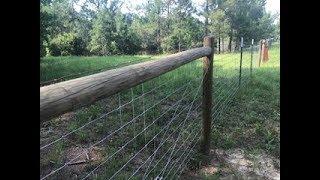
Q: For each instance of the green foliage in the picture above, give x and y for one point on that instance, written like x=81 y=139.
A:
x=66 y=44
x=278 y=31
x=150 y=27
x=248 y=19
x=146 y=32
x=43 y=32
x=164 y=25
x=127 y=40
x=45 y=23
x=186 y=35
x=103 y=35
x=185 y=31
x=220 y=25
x=266 y=28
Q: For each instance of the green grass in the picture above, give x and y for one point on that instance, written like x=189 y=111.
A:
x=71 y=67
x=255 y=103
x=252 y=120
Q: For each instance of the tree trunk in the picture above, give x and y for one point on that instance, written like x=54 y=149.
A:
x=222 y=44
x=219 y=41
x=168 y=15
x=206 y=21
x=158 y=31
x=237 y=45
x=230 y=42
x=180 y=28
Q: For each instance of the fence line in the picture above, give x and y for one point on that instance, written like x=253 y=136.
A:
x=62 y=97
x=159 y=130
x=112 y=133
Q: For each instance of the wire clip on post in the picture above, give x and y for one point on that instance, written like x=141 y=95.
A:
x=207 y=95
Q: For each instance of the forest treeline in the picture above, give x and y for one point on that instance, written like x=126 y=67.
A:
x=99 y=27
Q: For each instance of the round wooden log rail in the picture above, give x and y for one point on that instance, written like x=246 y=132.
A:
x=59 y=98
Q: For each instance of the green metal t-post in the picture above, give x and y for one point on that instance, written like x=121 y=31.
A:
x=240 y=71
x=252 y=41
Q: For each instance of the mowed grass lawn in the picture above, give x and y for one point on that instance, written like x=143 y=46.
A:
x=254 y=112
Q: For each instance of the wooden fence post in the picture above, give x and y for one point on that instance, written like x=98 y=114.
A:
x=57 y=99
x=207 y=96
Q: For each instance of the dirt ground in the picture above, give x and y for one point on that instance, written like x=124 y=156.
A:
x=236 y=164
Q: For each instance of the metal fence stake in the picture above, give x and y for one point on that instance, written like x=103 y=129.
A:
x=252 y=41
x=240 y=71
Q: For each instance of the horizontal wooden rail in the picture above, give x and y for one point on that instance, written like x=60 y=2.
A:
x=62 y=97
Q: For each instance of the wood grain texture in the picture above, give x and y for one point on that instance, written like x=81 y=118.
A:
x=207 y=96
x=59 y=98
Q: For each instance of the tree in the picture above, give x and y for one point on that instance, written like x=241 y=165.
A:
x=44 y=33
x=104 y=30
x=265 y=27
x=219 y=25
x=147 y=33
x=46 y=20
x=185 y=35
x=248 y=19
x=103 y=34
x=149 y=26
x=186 y=30
x=127 y=40
x=160 y=25
x=66 y=44
x=277 y=31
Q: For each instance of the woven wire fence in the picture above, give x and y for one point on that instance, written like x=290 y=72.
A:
x=146 y=132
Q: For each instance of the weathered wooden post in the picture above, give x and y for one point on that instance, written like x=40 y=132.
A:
x=57 y=99
x=207 y=96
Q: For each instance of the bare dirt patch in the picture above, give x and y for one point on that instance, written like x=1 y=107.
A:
x=236 y=164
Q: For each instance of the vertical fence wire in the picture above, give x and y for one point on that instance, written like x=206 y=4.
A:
x=152 y=132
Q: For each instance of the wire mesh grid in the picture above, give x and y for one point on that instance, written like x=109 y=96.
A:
x=146 y=132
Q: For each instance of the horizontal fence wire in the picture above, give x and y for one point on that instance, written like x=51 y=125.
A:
x=148 y=131
x=216 y=113
x=72 y=132
x=163 y=130
x=106 y=114
x=112 y=133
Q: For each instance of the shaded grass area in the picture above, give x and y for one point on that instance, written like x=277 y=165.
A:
x=180 y=85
